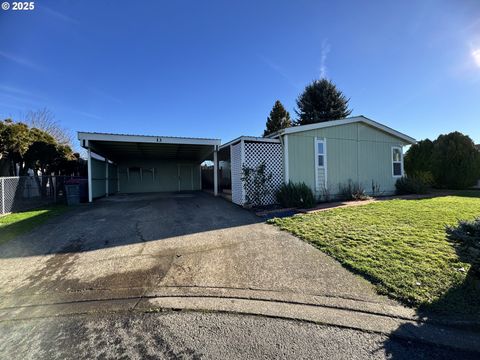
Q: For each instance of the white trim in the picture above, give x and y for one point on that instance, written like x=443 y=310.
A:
x=401 y=161
x=248 y=138
x=285 y=155
x=242 y=161
x=324 y=167
x=215 y=172
x=89 y=170
x=146 y=139
x=363 y=119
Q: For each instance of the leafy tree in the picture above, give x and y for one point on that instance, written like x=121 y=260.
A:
x=279 y=119
x=455 y=161
x=46 y=156
x=25 y=148
x=15 y=139
x=418 y=158
x=321 y=101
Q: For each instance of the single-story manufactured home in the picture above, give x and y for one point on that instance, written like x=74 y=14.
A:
x=324 y=156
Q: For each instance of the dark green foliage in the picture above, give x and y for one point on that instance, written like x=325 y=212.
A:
x=297 y=195
x=26 y=148
x=466 y=235
x=321 y=101
x=412 y=185
x=455 y=161
x=419 y=157
x=256 y=182
x=279 y=119
x=15 y=138
x=451 y=159
x=352 y=191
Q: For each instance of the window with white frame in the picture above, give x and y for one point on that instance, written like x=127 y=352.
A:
x=320 y=153
x=397 y=160
x=320 y=164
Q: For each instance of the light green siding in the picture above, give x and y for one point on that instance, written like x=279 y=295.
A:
x=99 y=176
x=158 y=176
x=356 y=152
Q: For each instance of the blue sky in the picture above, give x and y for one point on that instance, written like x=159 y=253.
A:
x=214 y=69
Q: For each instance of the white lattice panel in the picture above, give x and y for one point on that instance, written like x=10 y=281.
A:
x=236 y=168
x=272 y=155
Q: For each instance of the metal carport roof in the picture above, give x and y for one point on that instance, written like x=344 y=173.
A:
x=121 y=147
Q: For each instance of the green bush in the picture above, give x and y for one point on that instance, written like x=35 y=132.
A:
x=467 y=237
x=352 y=191
x=296 y=195
x=455 y=161
x=451 y=159
x=412 y=185
x=424 y=176
x=419 y=157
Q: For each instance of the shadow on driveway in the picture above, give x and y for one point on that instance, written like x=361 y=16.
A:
x=128 y=219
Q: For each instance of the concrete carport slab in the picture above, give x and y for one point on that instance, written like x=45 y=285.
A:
x=141 y=163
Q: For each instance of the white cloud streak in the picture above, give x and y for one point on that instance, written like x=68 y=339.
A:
x=59 y=15
x=105 y=95
x=323 y=58
x=279 y=70
x=19 y=60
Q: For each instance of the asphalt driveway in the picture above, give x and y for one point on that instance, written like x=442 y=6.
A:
x=135 y=243
x=118 y=264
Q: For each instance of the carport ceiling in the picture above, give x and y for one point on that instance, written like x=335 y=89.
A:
x=118 y=147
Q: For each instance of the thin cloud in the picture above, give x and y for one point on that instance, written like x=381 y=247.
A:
x=105 y=95
x=19 y=60
x=89 y=115
x=323 y=58
x=13 y=90
x=19 y=99
x=6 y=89
x=279 y=70
x=59 y=15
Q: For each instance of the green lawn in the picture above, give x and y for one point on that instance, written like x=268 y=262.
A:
x=19 y=223
x=400 y=246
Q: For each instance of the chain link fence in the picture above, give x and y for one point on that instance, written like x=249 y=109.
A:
x=19 y=193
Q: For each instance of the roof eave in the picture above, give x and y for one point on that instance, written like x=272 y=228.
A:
x=355 y=119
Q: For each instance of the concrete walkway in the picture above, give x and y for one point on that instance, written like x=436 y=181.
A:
x=192 y=251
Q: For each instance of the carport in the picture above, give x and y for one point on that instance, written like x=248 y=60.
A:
x=140 y=163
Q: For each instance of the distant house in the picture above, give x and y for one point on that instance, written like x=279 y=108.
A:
x=324 y=156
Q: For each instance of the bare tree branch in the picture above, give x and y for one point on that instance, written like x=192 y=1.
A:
x=44 y=119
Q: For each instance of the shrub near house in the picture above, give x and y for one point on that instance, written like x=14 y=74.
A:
x=451 y=160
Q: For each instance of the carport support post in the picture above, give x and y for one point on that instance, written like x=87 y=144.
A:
x=106 y=177
x=215 y=172
x=90 y=196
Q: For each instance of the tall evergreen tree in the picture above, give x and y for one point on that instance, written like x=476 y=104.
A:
x=321 y=101
x=279 y=119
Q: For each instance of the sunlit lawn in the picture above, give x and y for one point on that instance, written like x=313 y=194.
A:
x=15 y=224
x=399 y=245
